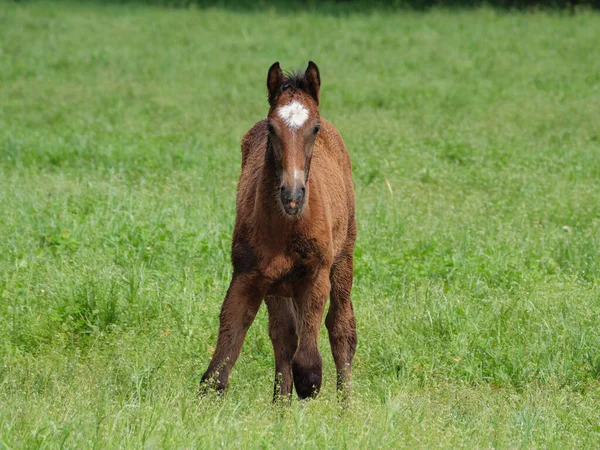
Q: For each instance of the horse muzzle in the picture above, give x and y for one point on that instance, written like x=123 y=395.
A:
x=292 y=199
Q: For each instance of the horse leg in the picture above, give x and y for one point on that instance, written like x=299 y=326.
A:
x=237 y=314
x=282 y=331
x=307 y=364
x=341 y=323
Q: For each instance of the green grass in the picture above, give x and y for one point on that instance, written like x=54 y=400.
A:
x=475 y=139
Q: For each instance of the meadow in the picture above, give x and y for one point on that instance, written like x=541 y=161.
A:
x=475 y=140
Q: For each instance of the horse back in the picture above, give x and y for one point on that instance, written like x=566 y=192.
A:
x=254 y=144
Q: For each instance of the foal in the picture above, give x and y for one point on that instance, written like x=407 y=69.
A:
x=293 y=241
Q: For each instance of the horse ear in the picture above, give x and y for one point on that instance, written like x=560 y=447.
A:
x=274 y=82
x=313 y=81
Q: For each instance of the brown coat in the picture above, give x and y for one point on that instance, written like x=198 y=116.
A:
x=293 y=240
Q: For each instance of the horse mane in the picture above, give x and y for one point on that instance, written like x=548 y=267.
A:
x=294 y=79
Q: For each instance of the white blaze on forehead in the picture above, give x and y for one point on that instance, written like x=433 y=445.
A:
x=294 y=114
x=294 y=175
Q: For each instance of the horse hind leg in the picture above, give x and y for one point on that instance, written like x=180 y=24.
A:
x=341 y=323
x=284 y=337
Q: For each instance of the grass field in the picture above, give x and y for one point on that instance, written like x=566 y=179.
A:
x=475 y=139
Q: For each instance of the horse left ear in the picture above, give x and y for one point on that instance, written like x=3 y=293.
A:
x=313 y=81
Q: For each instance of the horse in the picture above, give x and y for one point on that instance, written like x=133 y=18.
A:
x=293 y=241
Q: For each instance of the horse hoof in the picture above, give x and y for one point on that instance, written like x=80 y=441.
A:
x=307 y=380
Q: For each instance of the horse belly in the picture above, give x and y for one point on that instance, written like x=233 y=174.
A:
x=281 y=289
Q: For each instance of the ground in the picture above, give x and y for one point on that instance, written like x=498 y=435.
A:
x=475 y=140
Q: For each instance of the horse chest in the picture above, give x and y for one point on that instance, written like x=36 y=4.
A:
x=296 y=261
x=288 y=277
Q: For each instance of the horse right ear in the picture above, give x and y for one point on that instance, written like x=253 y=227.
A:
x=313 y=81
x=274 y=82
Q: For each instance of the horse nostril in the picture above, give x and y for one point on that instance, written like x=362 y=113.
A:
x=285 y=195
x=302 y=193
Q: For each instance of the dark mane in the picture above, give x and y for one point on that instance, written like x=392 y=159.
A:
x=295 y=80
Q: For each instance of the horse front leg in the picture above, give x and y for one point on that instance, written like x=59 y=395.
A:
x=307 y=364
x=239 y=309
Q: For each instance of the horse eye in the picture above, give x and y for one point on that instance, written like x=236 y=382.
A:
x=317 y=128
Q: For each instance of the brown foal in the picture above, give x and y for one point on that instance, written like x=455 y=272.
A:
x=293 y=241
